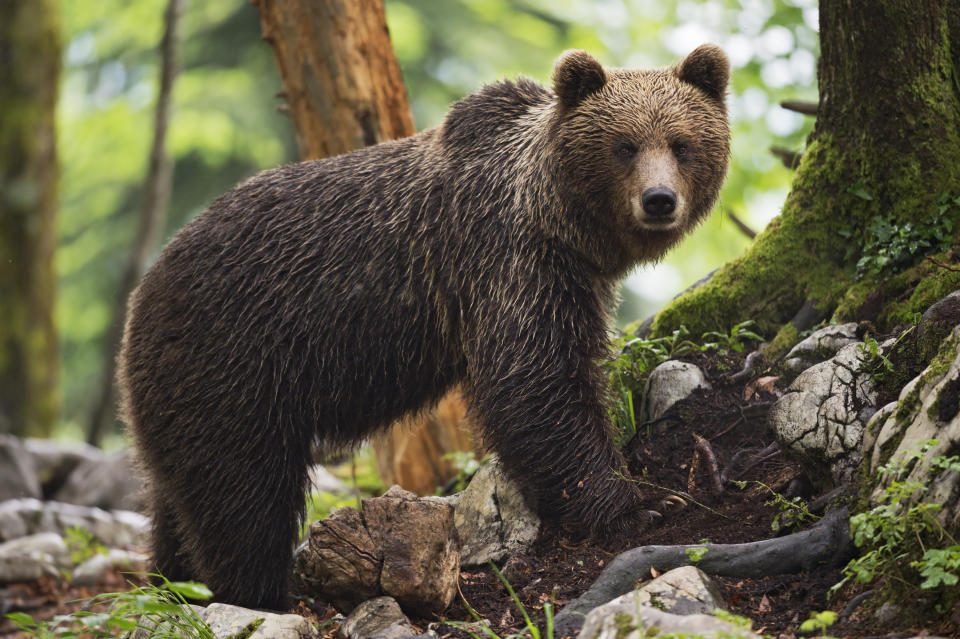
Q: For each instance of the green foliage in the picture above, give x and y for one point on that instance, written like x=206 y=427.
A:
x=696 y=553
x=82 y=544
x=483 y=626
x=792 y=513
x=162 y=610
x=901 y=533
x=888 y=245
x=627 y=373
x=466 y=464
x=729 y=617
x=819 y=621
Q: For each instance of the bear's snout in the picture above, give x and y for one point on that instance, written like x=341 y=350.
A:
x=659 y=202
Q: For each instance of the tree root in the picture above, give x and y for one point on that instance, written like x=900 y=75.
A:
x=826 y=544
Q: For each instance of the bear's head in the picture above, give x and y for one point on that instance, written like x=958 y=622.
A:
x=641 y=153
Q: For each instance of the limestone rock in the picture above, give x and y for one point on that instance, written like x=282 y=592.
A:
x=682 y=591
x=110 y=483
x=226 y=620
x=399 y=545
x=379 y=618
x=928 y=408
x=18 y=477
x=55 y=460
x=627 y=620
x=29 y=558
x=493 y=519
x=819 y=346
x=821 y=417
x=20 y=517
x=670 y=382
x=92 y=570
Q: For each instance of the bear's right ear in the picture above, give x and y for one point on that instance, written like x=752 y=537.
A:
x=576 y=75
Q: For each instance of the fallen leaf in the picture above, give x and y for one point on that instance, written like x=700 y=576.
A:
x=764 y=604
x=767 y=384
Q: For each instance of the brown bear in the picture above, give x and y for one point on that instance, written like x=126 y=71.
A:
x=323 y=300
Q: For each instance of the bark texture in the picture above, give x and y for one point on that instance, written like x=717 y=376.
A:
x=156 y=196
x=345 y=91
x=889 y=122
x=29 y=73
x=340 y=75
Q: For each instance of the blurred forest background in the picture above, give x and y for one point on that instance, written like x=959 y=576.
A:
x=227 y=123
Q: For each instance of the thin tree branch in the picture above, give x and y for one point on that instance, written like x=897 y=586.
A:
x=806 y=108
x=741 y=226
x=156 y=196
x=790 y=159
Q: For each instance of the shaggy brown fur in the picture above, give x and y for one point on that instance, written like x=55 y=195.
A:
x=323 y=300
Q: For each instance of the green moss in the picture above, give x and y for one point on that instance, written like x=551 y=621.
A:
x=625 y=624
x=785 y=339
x=247 y=630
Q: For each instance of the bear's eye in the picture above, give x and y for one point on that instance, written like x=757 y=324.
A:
x=626 y=150
x=680 y=149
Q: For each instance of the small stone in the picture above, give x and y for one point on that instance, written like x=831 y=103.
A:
x=93 y=569
x=887 y=613
x=378 y=618
x=820 y=345
x=682 y=591
x=226 y=621
x=670 y=382
x=29 y=558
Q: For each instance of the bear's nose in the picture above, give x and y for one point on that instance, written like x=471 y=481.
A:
x=659 y=201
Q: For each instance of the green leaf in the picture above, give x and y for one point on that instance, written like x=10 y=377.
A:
x=190 y=589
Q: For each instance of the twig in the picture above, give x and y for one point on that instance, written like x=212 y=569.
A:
x=746 y=230
x=806 y=108
x=955 y=269
x=790 y=159
x=746 y=371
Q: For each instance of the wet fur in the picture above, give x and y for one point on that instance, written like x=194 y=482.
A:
x=324 y=300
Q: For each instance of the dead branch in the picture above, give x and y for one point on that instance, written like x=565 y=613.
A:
x=955 y=269
x=741 y=226
x=799 y=106
x=826 y=544
x=703 y=452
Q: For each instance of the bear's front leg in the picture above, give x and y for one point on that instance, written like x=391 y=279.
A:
x=539 y=395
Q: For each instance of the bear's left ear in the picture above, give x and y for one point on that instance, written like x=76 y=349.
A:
x=707 y=68
x=576 y=75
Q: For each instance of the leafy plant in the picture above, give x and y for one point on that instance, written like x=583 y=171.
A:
x=82 y=544
x=898 y=535
x=792 y=513
x=819 y=621
x=889 y=245
x=162 y=610
x=734 y=341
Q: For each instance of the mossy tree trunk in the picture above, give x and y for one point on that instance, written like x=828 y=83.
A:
x=29 y=72
x=344 y=91
x=886 y=143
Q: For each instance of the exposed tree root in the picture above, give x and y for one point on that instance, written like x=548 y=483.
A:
x=826 y=544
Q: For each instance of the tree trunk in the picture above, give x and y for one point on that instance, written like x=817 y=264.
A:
x=345 y=91
x=29 y=73
x=886 y=143
x=156 y=195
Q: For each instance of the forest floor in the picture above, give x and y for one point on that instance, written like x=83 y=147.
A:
x=560 y=568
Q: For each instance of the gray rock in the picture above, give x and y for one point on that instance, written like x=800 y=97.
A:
x=90 y=571
x=378 y=618
x=819 y=346
x=493 y=519
x=18 y=477
x=19 y=517
x=888 y=613
x=55 y=460
x=670 y=382
x=147 y=628
x=401 y=546
x=928 y=408
x=110 y=483
x=29 y=558
x=226 y=620
x=628 y=620
x=681 y=591
x=822 y=415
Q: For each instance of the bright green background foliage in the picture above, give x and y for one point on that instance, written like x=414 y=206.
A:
x=226 y=125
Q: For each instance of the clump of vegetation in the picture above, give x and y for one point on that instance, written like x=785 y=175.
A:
x=636 y=358
x=903 y=545
x=888 y=245
x=82 y=544
x=482 y=625
x=162 y=610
